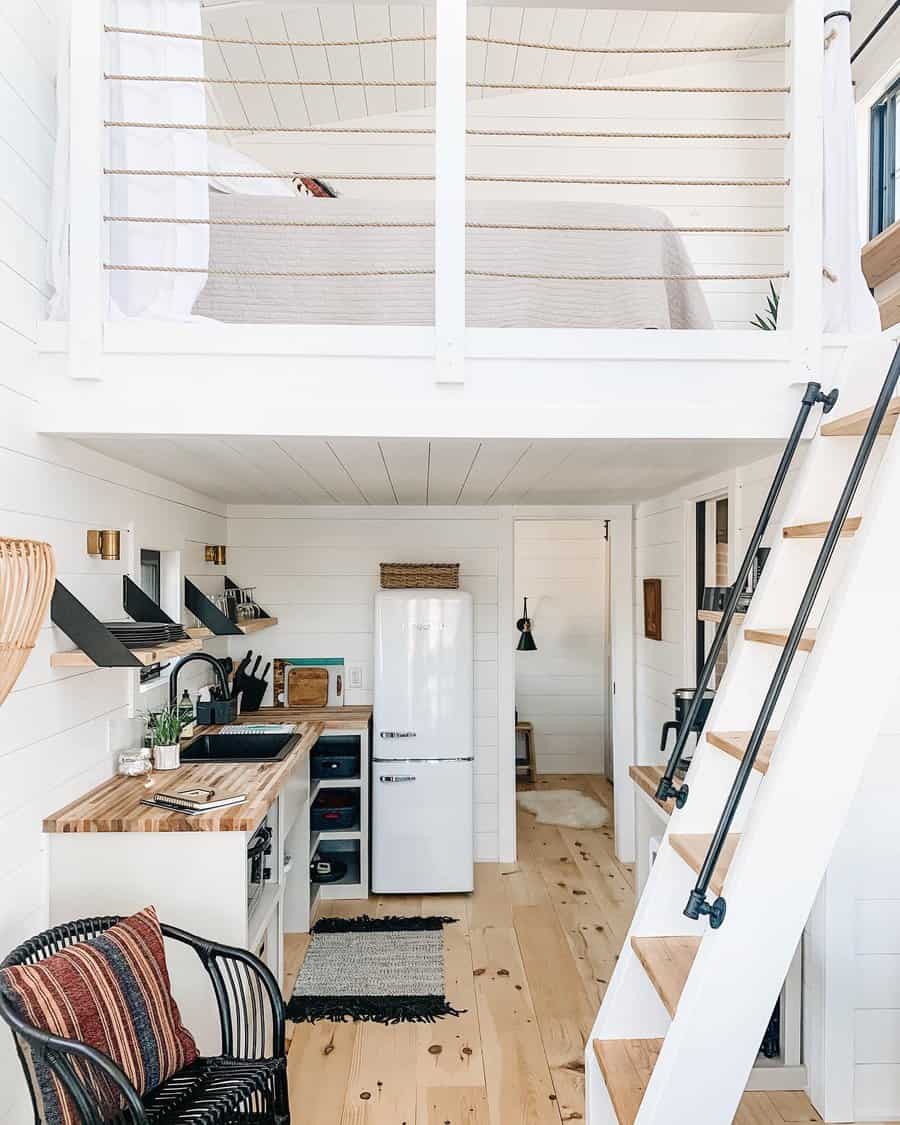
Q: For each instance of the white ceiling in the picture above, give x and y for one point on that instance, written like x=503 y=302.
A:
x=295 y=470
x=410 y=62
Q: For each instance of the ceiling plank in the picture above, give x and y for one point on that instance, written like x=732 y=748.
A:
x=364 y=463
x=449 y=462
x=314 y=457
x=407 y=465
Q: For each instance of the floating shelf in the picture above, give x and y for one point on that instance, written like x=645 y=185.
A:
x=97 y=646
x=215 y=623
x=78 y=658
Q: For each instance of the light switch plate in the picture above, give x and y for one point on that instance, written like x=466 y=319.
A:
x=355 y=676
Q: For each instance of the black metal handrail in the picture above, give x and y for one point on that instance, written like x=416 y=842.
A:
x=697 y=904
x=811 y=396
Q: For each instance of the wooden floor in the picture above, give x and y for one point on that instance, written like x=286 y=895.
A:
x=529 y=960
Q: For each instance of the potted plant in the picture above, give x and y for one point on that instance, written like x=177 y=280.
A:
x=164 y=728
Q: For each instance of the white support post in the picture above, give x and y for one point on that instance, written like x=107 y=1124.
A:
x=450 y=191
x=804 y=202
x=86 y=189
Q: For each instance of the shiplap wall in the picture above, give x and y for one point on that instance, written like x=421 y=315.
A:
x=562 y=566
x=316 y=569
x=660 y=551
x=732 y=304
x=55 y=739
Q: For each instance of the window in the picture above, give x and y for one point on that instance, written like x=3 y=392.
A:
x=883 y=162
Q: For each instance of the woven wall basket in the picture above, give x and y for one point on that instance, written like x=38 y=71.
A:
x=420 y=576
x=27 y=573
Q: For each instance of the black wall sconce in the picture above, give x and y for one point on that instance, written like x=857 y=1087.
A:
x=526 y=641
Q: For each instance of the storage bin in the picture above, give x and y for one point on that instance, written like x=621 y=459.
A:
x=334 y=808
x=337 y=756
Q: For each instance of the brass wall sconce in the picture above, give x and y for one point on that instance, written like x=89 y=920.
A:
x=216 y=555
x=104 y=545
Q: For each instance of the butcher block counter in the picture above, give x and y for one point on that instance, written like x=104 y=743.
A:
x=115 y=805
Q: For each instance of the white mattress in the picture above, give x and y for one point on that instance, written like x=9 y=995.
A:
x=491 y=302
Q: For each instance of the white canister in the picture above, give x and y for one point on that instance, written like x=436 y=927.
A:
x=167 y=757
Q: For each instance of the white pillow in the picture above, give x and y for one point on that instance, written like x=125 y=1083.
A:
x=224 y=159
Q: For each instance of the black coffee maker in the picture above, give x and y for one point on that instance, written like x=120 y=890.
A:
x=684 y=697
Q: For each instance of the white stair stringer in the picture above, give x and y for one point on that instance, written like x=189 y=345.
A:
x=790 y=818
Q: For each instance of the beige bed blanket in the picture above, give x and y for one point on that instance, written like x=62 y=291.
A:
x=491 y=302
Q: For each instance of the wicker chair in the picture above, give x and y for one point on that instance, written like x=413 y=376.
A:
x=245 y=1085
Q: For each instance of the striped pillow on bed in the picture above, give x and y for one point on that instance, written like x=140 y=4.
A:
x=112 y=993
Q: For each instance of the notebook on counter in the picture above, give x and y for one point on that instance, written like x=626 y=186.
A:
x=191 y=802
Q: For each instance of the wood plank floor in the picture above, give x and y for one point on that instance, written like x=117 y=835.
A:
x=529 y=960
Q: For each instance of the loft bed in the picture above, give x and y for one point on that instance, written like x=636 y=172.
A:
x=635 y=180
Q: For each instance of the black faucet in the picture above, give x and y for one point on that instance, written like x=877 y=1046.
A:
x=173 y=675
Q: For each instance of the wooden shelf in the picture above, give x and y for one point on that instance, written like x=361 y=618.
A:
x=667 y=962
x=819 y=530
x=647 y=778
x=735 y=743
x=693 y=849
x=75 y=658
x=714 y=616
x=256 y=624
x=201 y=633
x=778 y=637
x=854 y=425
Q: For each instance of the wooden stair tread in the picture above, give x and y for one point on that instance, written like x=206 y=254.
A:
x=779 y=638
x=626 y=1065
x=854 y=425
x=735 y=742
x=714 y=616
x=819 y=530
x=667 y=962
x=647 y=778
x=693 y=849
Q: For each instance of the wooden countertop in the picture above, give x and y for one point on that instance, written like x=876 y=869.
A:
x=115 y=805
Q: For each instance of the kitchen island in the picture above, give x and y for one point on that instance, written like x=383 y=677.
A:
x=110 y=854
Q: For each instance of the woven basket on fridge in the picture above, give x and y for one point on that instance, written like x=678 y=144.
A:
x=420 y=576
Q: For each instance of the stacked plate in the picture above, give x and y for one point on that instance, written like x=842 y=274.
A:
x=145 y=634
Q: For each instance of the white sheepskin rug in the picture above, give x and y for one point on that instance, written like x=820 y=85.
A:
x=566 y=807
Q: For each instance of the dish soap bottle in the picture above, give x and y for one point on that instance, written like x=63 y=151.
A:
x=186 y=710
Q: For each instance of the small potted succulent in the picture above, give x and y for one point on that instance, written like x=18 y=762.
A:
x=164 y=728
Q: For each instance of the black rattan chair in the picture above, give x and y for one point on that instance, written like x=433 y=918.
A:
x=245 y=1085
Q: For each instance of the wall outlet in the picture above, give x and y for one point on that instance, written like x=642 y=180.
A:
x=355 y=676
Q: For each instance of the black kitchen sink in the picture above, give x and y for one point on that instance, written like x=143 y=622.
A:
x=239 y=748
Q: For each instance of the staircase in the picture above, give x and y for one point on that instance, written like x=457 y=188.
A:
x=771 y=782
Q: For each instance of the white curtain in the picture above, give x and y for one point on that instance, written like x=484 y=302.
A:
x=131 y=294
x=848 y=306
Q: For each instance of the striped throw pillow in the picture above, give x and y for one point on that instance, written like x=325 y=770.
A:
x=113 y=993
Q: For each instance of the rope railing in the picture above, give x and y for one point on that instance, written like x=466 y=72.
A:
x=430 y=273
x=586 y=88
x=404 y=177
x=365 y=129
x=489 y=40
x=400 y=224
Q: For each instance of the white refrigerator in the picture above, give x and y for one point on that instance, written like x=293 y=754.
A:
x=424 y=742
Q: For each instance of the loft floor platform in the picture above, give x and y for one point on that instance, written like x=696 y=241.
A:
x=820 y=530
x=778 y=637
x=667 y=962
x=76 y=658
x=693 y=849
x=735 y=743
x=854 y=425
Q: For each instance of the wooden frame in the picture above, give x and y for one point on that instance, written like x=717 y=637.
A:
x=653 y=609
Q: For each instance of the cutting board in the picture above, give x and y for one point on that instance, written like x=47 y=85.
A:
x=307 y=687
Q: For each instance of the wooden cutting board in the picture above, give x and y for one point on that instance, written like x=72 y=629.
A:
x=307 y=687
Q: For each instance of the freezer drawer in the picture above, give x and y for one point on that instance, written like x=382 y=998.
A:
x=422 y=831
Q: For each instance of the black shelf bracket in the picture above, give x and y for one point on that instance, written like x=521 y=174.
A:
x=87 y=632
x=140 y=606
x=209 y=615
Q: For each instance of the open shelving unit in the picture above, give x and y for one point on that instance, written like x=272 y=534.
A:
x=97 y=647
x=215 y=623
x=349 y=844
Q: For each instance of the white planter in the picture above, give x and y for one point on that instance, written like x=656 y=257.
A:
x=167 y=757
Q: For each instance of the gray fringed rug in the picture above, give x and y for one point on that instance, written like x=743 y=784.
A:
x=381 y=970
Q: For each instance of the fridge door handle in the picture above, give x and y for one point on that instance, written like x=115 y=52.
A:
x=396 y=777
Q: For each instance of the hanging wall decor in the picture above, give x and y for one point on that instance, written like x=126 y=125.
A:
x=27 y=572
x=653 y=609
